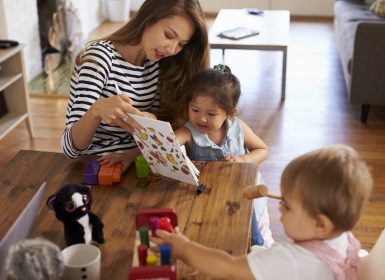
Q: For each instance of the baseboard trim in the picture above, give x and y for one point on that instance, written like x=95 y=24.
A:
x=312 y=18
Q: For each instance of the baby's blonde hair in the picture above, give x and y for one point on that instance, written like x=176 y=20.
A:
x=333 y=181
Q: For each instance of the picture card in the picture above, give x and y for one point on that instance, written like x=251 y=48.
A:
x=162 y=152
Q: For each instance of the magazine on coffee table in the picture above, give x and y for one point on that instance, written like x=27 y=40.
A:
x=162 y=152
x=237 y=33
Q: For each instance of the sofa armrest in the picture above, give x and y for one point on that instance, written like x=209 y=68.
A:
x=368 y=64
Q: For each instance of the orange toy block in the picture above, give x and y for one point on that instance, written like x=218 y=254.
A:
x=117 y=173
x=105 y=175
x=108 y=175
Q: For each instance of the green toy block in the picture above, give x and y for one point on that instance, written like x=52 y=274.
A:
x=141 y=165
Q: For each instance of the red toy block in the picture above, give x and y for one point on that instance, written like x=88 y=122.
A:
x=164 y=272
x=164 y=223
x=143 y=216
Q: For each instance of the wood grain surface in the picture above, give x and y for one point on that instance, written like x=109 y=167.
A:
x=219 y=217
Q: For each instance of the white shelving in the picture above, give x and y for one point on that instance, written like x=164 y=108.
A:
x=13 y=85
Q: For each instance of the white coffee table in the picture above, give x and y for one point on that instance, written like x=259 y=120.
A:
x=273 y=27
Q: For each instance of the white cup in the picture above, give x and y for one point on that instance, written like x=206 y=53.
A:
x=82 y=261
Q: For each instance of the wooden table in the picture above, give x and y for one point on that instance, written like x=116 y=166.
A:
x=219 y=217
x=273 y=28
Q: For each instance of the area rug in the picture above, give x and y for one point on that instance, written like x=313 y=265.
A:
x=55 y=84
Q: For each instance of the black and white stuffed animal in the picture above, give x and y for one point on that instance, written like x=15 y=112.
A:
x=72 y=204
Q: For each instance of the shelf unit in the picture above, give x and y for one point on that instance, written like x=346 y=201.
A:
x=14 y=88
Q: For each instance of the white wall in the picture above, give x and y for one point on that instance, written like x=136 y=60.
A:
x=296 y=7
x=305 y=7
x=211 y=6
x=19 y=21
x=3 y=30
x=91 y=14
x=135 y=4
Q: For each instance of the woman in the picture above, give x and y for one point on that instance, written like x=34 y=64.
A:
x=150 y=60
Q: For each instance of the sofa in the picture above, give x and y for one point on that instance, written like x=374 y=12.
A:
x=360 y=37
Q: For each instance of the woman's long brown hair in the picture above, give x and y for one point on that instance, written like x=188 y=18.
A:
x=175 y=71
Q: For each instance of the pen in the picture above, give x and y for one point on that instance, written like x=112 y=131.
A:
x=119 y=92
x=117 y=88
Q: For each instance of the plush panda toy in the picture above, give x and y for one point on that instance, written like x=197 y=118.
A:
x=72 y=204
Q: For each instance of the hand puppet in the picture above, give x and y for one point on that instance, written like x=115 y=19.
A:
x=72 y=204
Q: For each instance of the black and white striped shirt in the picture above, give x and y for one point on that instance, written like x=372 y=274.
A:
x=96 y=79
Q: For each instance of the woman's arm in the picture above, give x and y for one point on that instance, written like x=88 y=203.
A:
x=112 y=110
x=88 y=105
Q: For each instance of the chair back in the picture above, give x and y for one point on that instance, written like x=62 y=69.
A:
x=20 y=229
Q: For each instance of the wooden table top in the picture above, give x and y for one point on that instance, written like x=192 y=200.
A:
x=219 y=217
x=273 y=28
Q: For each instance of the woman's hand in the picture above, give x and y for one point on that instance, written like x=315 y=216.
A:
x=114 y=110
x=126 y=159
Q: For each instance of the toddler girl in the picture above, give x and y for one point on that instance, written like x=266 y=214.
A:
x=214 y=132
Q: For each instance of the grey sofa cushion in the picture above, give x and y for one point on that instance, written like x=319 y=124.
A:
x=359 y=29
x=346 y=34
x=347 y=16
x=354 y=11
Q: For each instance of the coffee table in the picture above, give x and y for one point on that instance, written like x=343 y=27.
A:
x=273 y=28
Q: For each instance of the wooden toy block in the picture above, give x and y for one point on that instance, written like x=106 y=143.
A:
x=109 y=175
x=90 y=174
x=143 y=216
x=141 y=166
x=155 y=272
x=105 y=175
x=163 y=269
x=164 y=272
x=117 y=173
x=96 y=174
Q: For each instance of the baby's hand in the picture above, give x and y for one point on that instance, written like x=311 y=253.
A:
x=234 y=159
x=176 y=241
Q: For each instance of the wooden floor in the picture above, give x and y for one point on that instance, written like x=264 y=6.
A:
x=315 y=113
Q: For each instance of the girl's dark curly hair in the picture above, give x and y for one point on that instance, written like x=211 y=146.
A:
x=218 y=83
